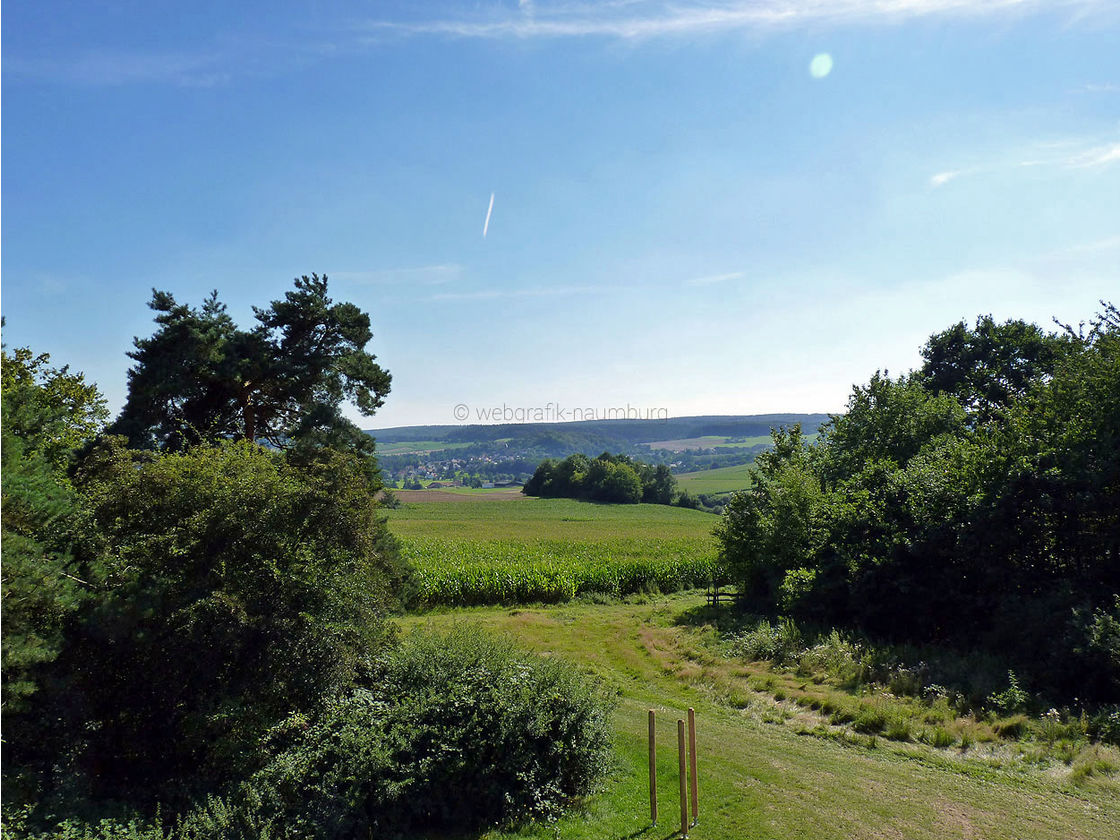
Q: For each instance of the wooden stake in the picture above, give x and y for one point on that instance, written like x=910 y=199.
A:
x=680 y=767
x=652 y=770
x=692 y=765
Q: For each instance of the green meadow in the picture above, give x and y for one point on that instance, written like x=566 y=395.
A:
x=712 y=482
x=773 y=769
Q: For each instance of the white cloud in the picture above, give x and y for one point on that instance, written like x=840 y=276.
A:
x=1098 y=156
x=712 y=279
x=235 y=55
x=942 y=178
x=547 y=291
x=648 y=19
x=1069 y=153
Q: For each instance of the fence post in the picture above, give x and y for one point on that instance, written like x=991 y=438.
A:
x=682 y=776
x=692 y=765
x=652 y=769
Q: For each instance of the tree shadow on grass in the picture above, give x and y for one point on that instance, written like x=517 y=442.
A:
x=726 y=618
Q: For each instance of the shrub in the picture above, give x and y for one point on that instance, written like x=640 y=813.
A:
x=1011 y=727
x=869 y=721
x=456 y=731
x=239 y=587
x=1011 y=699
x=898 y=729
x=1105 y=725
x=780 y=643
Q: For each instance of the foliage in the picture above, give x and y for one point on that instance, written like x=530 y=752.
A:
x=990 y=366
x=458 y=730
x=780 y=643
x=237 y=587
x=48 y=414
x=607 y=478
x=1011 y=699
x=976 y=501
x=201 y=378
x=52 y=411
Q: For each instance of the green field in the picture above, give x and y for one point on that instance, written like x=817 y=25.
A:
x=550 y=550
x=722 y=480
x=410 y=447
x=770 y=770
x=708 y=442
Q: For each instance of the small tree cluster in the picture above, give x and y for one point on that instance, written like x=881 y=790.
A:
x=607 y=478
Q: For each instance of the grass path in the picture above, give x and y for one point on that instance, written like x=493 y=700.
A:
x=763 y=780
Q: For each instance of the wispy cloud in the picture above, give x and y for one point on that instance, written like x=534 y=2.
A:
x=1098 y=156
x=110 y=68
x=713 y=279
x=497 y=294
x=645 y=19
x=1101 y=88
x=239 y=54
x=942 y=178
x=1068 y=154
x=423 y=275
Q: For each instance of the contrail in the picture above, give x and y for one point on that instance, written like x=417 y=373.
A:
x=489 y=210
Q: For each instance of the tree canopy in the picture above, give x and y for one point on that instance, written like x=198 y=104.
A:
x=976 y=501
x=606 y=478
x=200 y=377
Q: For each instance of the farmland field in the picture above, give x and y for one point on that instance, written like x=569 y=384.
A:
x=722 y=480
x=768 y=769
x=527 y=550
x=708 y=442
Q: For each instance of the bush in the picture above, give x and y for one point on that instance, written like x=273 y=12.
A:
x=1011 y=727
x=780 y=643
x=898 y=729
x=1105 y=725
x=456 y=731
x=237 y=588
x=869 y=721
x=1011 y=699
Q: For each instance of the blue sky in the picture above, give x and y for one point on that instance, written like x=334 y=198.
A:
x=685 y=217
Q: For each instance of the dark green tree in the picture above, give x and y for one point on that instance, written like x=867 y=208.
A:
x=991 y=365
x=201 y=378
x=48 y=414
x=213 y=623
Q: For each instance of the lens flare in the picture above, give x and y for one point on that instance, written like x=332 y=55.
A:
x=820 y=66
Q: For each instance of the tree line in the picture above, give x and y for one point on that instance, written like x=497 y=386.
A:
x=974 y=501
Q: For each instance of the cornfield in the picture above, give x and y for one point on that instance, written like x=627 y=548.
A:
x=537 y=551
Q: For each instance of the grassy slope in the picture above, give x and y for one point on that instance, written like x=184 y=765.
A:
x=722 y=480
x=763 y=780
x=707 y=442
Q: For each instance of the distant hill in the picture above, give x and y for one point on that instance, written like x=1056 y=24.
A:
x=594 y=436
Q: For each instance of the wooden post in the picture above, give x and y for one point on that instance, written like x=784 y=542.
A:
x=681 y=771
x=652 y=770
x=692 y=765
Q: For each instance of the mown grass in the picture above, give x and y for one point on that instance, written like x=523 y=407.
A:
x=772 y=769
x=550 y=550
